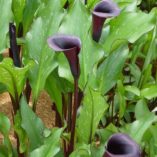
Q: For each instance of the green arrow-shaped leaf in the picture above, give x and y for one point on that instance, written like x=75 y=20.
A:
x=5 y=16
x=32 y=125
x=45 y=25
x=51 y=145
x=94 y=106
x=126 y=27
x=109 y=71
x=12 y=77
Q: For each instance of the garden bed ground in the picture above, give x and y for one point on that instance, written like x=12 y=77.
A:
x=43 y=110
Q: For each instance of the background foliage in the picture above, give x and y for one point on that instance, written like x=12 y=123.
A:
x=118 y=75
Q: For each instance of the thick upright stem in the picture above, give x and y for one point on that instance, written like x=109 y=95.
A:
x=14 y=49
x=97 y=27
x=69 y=110
x=64 y=109
x=112 y=111
x=58 y=120
x=72 y=139
x=28 y=91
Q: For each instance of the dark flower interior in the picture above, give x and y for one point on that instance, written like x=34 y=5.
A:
x=64 y=44
x=116 y=146
x=103 y=8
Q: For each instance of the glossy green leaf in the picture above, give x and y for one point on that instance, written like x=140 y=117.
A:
x=53 y=88
x=32 y=125
x=12 y=77
x=153 y=132
x=64 y=68
x=97 y=151
x=93 y=108
x=137 y=129
x=63 y=2
x=5 y=130
x=151 y=49
x=105 y=133
x=56 y=86
x=18 y=8
x=4 y=124
x=133 y=89
x=121 y=98
x=145 y=77
x=79 y=26
x=149 y=92
x=51 y=145
x=60 y=154
x=5 y=17
x=110 y=70
x=136 y=73
x=141 y=109
x=3 y=151
x=128 y=5
x=2 y=88
x=92 y=3
x=37 y=48
x=29 y=13
x=126 y=27
x=81 y=151
x=20 y=132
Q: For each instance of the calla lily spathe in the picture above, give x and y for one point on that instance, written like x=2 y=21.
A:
x=121 y=145
x=70 y=46
x=103 y=10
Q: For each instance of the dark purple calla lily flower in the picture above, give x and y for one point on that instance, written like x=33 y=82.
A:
x=121 y=145
x=71 y=46
x=103 y=10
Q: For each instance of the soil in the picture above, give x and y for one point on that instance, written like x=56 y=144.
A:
x=44 y=111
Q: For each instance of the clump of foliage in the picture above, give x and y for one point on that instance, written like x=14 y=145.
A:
x=112 y=73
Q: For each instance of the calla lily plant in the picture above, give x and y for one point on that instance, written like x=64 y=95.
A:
x=103 y=10
x=102 y=93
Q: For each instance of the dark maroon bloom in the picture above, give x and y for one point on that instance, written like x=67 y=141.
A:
x=121 y=145
x=14 y=51
x=103 y=10
x=70 y=45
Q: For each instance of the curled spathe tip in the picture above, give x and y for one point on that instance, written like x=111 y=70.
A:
x=70 y=46
x=62 y=42
x=121 y=145
x=103 y=10
x=106 y=9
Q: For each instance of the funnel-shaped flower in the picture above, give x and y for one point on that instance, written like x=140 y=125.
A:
x=121 y=145
x=70 y=45
x=103 y=10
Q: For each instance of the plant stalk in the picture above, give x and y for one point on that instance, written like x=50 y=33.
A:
x=58 y=120
x=28 y=91
x=112 y=111
x=74 y=114
x=14 y=51
x=69 y=111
